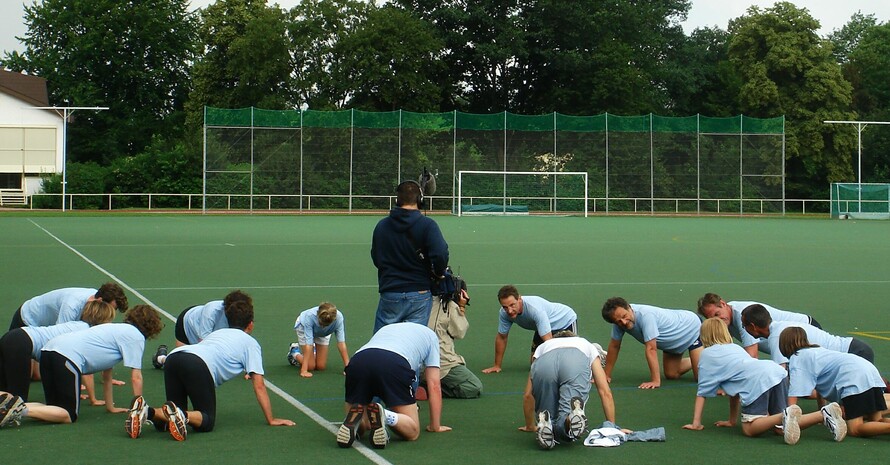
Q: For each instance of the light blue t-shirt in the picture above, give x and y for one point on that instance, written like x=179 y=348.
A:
x=673 y=330
x=737 y=329
x=227 y=352
x=201 y=320
x=54 y=307
x=418 y=344
x=101 y=347
x=308 y=320
x=814 y=335
x=834 y=375
x=40 y=335
x=539 y=315
x=729 y=367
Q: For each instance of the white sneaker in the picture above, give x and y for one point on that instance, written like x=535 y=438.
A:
x=12 y=410
x=833 y=418
x=136 y=417
x=544 y=435
x=791 y=424
x=601 y=353
x=577 y=419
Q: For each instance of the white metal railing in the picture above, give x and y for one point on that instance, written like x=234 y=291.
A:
x=261 y=203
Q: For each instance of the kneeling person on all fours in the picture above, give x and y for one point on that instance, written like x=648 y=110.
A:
x=193 y=372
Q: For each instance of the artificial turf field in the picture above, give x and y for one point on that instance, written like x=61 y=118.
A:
x=837 y=271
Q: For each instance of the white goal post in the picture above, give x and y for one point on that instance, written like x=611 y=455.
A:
x=521 y=192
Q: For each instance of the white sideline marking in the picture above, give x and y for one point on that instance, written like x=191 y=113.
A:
x=361 y=448
x=498 y=285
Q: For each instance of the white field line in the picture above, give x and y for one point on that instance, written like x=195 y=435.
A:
x=364 y=450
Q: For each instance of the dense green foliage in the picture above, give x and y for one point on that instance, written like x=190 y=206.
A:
x=157 y=65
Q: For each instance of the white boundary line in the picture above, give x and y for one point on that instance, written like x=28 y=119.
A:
x=497 y=285
x=361 y=448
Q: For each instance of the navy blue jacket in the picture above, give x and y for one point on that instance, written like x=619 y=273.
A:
x=399 y=269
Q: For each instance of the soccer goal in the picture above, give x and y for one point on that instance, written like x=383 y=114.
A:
x=860 y=201
x=521 y=193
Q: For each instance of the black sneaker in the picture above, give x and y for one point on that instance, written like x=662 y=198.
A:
x=157 y=361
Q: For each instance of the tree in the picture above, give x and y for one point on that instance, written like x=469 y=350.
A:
x=245 y=61
x=130 y=56
x=788 y=70
x=315 y=28
x=701 y=79
x=483 y=44
x=391 y=61
x=868 y=69
x=845 y=39
x=591 y=56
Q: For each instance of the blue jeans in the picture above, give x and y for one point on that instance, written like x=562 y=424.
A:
x=398 y=307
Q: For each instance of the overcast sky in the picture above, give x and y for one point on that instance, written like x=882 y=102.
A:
x=832 y=14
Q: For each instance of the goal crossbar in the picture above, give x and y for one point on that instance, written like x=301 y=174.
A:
x=504 y=198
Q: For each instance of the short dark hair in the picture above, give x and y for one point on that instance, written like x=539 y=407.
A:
x=236 y=296
x=408 y=193
x=508 y=291
x=112 y=293
x=756 y=315
x=611 y=305
x=239 y=314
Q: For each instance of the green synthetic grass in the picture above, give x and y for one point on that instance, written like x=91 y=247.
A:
x=838 y=271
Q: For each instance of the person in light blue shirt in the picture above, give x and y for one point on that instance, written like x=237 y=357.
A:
x=759 y=386
x=837 y=376
x=757 y=321
x=67 y=357
x=535 y=314
x=671 y=331
x=193 y=372
x=20 y=346
x=64 y=305
x=197 y=322
x=314 y=328
x=711 y=305
x=386 y=367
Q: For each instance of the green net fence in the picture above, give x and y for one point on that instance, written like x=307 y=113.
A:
x=352 y=159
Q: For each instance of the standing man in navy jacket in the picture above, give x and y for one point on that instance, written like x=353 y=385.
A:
x=408 y=250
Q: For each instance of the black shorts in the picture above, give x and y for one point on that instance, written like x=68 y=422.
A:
x=862 y=349
x=187 y=378
x=860 y=405
x=61 y=382
x=17 y=321
x=15 y=362
x=379 y=373
x=179 y=332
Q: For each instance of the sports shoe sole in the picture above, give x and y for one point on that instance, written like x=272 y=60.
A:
x=11 y=413
x=349 y=429
x=135 y=417
x=177 y=422
x=379 y=436
x=791 y=424
x=544 y=435
x=577 y=419
x=840 y=426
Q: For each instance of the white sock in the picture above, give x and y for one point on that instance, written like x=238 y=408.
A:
x=390 y=417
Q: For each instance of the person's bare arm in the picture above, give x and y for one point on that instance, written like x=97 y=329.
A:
x=262 y=397
x=500 y=346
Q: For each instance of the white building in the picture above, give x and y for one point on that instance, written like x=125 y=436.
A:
x=30 y=140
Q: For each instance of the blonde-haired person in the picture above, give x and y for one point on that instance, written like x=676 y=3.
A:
x=20 y=346
x=759 y=386
x=314 y=328
x=67 y=358
x=840 y=377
